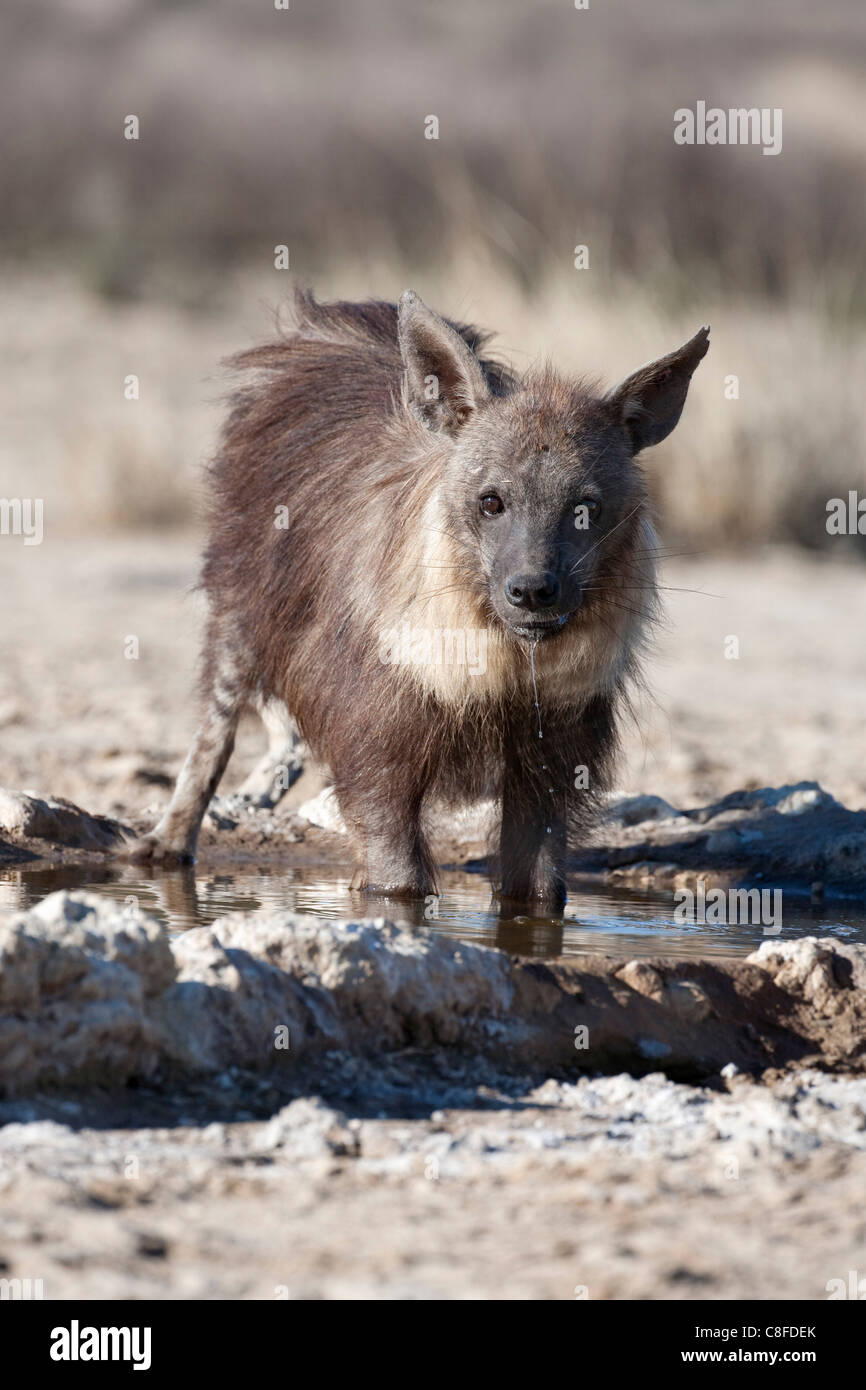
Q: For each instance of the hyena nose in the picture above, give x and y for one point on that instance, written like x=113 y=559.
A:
x=532 y=590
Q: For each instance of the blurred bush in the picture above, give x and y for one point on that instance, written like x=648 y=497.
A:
x=306 y=127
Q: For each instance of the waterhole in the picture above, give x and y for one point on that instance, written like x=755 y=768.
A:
x=594 y=922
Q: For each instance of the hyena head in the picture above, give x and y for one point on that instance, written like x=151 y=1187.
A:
x=543 y=506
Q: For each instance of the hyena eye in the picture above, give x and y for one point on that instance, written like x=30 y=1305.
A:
x=591 y=505
x=491 y=505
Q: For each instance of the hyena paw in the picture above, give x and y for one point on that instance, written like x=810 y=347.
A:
x=546 y=898
x=276 y=774
x=387 y=885
x=152 y=849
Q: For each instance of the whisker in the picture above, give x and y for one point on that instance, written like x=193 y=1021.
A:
x=635 y=508
x=661 y=588
x=447 y=589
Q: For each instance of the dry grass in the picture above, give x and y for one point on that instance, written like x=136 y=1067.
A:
x=306 y=127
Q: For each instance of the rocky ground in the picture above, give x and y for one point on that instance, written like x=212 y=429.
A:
x=444 y=1121
x=610 y=1188
x=277 y=1107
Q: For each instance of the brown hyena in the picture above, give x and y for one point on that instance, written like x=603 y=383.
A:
x=430 y=562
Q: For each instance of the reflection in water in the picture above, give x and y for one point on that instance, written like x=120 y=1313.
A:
x=604 y=922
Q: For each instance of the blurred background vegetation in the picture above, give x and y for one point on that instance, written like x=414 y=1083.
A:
x=305 y=127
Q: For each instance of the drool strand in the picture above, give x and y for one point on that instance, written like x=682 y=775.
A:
x=532 y=646
x=537 y=709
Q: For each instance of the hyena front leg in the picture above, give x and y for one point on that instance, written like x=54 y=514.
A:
x=174 y=839
x=384 y=824
x=532 y=842
x=549 y=790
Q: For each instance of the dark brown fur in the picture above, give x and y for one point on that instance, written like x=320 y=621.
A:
x=333 y=423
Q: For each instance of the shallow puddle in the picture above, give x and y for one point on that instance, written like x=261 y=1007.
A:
x=606 y=922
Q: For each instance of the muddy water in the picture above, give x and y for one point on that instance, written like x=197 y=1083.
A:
x=604 y=922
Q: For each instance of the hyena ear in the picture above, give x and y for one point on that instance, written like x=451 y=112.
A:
x=650 y=401
x=444 y=380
